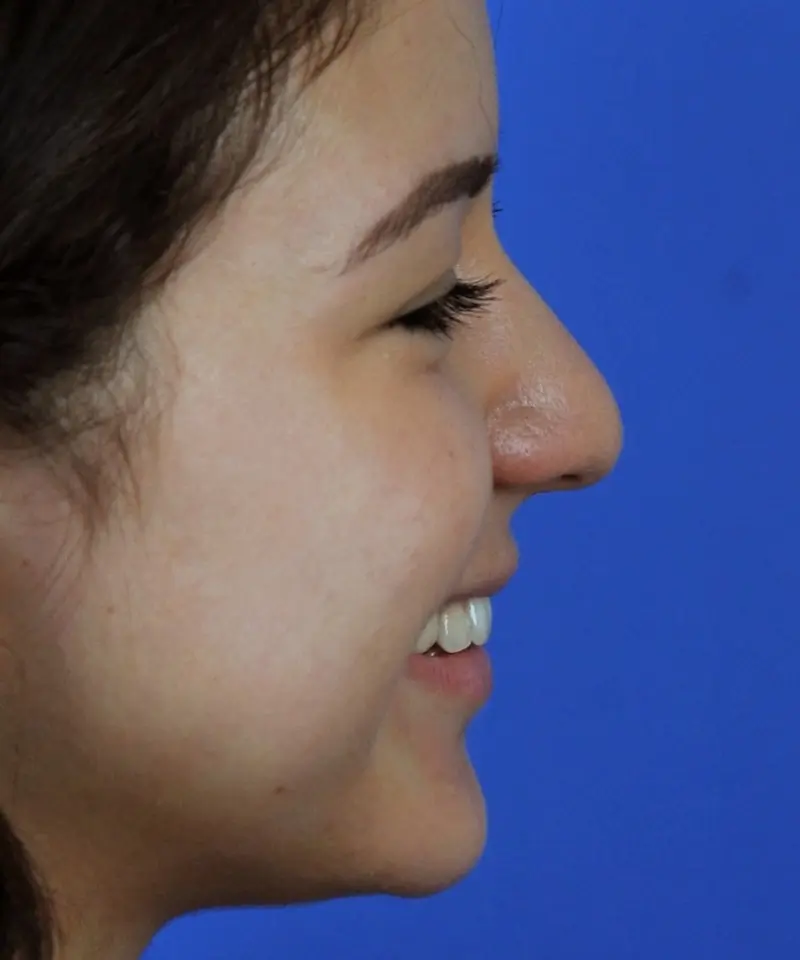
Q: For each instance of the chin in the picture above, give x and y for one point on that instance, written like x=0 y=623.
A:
x=412 y=864
x=414 y=827
x=421 y=854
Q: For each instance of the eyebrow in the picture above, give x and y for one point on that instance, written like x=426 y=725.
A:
x=438 y=189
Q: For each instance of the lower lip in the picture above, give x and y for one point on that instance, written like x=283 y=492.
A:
x=466 y=675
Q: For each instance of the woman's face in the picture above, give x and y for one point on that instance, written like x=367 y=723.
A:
x=223 y=702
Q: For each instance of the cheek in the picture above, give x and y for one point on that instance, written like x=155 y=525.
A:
x=291 y=558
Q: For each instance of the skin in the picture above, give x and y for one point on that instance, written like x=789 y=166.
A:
x=216 y=709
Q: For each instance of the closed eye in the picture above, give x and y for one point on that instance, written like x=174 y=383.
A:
x=443 y=316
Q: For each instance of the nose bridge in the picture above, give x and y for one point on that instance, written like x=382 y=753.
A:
x=553 y=422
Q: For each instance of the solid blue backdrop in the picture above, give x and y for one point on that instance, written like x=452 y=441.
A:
x=641 y=756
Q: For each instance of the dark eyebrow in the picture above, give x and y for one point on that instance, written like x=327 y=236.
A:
x=436 y=190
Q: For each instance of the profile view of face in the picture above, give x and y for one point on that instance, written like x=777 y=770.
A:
x=224 y=707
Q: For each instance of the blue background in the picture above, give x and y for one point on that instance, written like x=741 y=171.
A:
x=641 y=756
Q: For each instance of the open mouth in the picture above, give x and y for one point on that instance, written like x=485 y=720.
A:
x=457 y=627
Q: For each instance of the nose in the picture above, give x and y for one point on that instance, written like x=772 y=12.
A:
x=553 y=421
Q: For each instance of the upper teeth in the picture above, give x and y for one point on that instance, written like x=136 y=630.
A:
x=458 y=625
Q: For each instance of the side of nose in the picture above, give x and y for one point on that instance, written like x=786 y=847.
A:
x=553 y=421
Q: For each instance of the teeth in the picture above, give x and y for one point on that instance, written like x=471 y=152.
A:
x=457 y=626
x=480 y=613
x=429 y=635
x=455 y=629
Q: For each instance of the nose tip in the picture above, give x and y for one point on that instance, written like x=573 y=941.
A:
x=565 y=434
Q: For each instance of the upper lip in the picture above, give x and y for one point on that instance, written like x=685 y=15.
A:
x=488 y=587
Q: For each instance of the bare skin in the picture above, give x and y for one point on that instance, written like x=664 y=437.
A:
x=218 y=712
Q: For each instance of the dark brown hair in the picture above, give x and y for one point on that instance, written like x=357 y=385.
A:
x=123 y=129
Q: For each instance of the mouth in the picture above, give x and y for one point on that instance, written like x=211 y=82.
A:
x=465 y=676
x=456 y=627
x=450 y=655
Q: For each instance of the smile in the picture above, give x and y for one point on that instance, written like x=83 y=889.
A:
x=456 y=627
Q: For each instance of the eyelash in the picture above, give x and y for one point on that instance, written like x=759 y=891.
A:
x=454 y=309
x=444 y=316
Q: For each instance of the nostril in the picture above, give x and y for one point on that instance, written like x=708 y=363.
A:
x=580 y=480
x=573 y=479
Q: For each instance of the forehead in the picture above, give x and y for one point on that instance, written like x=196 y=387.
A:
x=414 y=92
x=425 y=73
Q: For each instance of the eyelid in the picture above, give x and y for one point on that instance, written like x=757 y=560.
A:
x=435 y=292
x=442 y=317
